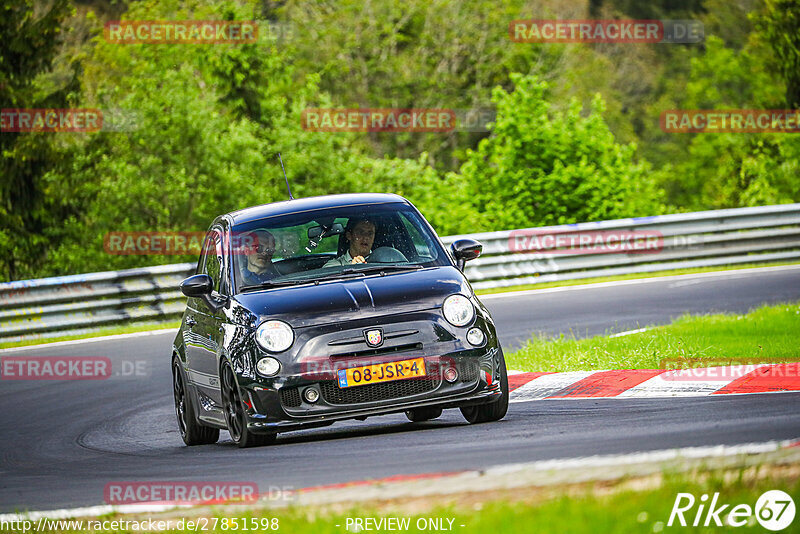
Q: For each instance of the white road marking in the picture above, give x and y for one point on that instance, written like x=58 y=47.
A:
x=629 y=332
x=172 y=331
x=645 y=457
x=547 y=385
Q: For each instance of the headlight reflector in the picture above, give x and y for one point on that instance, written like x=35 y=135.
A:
x=274 y=336
x=458 y=310
x=476 y=337
x=268 y=366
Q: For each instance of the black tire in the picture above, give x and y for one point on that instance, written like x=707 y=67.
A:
x=234 y=413
x=192 y=432
x=423 y=414
x=485 y=413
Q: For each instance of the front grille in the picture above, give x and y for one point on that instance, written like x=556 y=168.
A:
x=376 y=392
x=290 y=397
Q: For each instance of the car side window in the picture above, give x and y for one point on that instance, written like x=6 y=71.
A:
x=211 y=263
x=422 y=247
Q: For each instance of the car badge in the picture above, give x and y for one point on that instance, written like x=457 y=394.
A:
x=374 y=337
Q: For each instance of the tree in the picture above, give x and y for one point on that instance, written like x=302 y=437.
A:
x=31 y=39
x=730 y=170
x=779 y=25
x=542 y=167
x=417 y=54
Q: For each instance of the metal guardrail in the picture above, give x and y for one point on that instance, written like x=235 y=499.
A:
x=68 y=305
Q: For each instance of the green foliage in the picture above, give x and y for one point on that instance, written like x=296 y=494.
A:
x=727 y=170
x=779 y=25
x=544 y=167
x=415 y=54
x=30 y=42
x=207 y=121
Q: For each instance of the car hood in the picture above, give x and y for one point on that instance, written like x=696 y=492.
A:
x=342 y=300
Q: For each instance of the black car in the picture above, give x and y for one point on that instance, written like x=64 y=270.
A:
x=315 y=310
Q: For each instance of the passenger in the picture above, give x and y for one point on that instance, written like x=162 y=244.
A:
x=259 y=252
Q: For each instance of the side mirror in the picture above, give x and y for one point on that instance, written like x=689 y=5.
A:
x=199 y=285
x=464 y=250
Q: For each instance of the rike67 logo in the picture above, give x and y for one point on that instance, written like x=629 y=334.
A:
x=774 y=510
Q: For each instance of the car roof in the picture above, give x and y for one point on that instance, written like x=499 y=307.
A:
x=309 y=204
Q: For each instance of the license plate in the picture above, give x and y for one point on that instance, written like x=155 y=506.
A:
x=384 y=372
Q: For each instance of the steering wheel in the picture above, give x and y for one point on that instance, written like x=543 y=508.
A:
x=386 y=255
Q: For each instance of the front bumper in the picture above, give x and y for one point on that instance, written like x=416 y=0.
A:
x=278 y=404
x=285 y=408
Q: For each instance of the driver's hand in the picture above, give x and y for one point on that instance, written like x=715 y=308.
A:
x=359 y=259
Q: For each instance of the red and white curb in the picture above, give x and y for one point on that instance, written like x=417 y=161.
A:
x=633 y=383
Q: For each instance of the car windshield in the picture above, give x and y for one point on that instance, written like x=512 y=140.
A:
x=332 y=243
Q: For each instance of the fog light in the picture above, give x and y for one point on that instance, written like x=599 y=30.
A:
x=311 y=394
x=450 y=374
x=268 y=366
x=475 y=336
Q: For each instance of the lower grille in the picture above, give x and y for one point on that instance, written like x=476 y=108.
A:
x=290 y=397
x=376 y=392
x=468 y=371
x=332 y=394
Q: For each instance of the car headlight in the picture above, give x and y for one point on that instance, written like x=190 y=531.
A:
x=268 y=366
x=274 y=336
x=458 y=310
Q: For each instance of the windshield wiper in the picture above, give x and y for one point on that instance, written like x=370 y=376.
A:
x=275 y=283
x=345 y=273
x=378 y=267
x=349 y=272
x=354 y=272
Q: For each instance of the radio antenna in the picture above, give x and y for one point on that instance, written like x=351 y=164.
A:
x=285 y=177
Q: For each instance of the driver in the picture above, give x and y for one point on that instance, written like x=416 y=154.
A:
x=259 y=267
x=360 y=234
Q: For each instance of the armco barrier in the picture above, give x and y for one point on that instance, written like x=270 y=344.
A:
x=81 y=303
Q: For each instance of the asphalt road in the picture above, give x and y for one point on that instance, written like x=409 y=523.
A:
x=635 y=304
x=62 y=442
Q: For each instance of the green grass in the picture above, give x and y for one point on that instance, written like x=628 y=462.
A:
x=598 y=508
x=769 y=333
x=636 y=276
x=109 y=331
x=588 y=512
